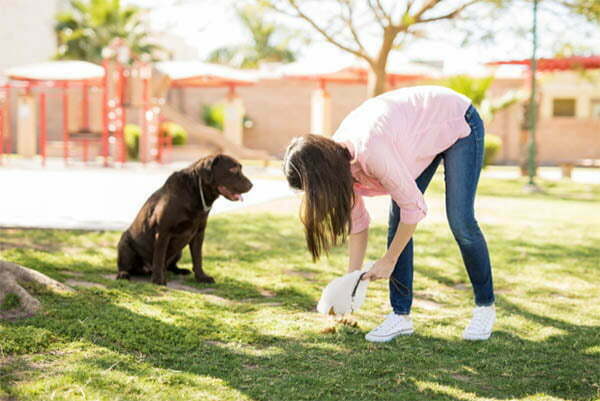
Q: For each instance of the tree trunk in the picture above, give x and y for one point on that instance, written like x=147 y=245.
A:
x=11 y=277
x=376 y=83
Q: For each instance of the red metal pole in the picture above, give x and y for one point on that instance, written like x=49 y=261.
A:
x=144 y=116
x=65 y=99
x=121 y=132
x=1 y=135
x=8 y=121
x=42 y=117
x=85 y=104
x=105 y=111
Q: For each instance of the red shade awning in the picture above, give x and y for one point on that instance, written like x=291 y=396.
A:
x=558 y=64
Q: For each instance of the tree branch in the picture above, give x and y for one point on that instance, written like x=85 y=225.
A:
x=327 y=36
x=450 y=15
x=349 y=21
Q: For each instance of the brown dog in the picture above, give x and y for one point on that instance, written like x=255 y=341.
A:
x=175 y=216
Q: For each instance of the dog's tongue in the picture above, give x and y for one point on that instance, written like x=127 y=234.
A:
x=238 y=197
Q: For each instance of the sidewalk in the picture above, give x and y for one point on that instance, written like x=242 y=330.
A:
x=97 y=198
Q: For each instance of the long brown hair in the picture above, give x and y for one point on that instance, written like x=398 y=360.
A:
x=321 y=168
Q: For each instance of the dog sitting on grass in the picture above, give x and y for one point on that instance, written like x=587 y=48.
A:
x=175 y=216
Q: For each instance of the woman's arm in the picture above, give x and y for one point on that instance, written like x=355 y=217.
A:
x=383 y=268
x=357 y=247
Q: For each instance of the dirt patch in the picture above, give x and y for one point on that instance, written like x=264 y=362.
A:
x=426 y=304
x=25 y=244
x=84 y=284
x=461 y=286
x=267 y=293
x=178 y=285
x=71 y=273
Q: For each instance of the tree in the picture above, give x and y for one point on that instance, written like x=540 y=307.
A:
x=477 y=89
x=347 y=23
x=15 y=299
x=84 y=31
x=351 y=24
x=262 y=47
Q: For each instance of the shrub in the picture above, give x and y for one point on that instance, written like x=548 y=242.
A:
x=493 y=144
x=178 y=134
x=132 y=134
x=213 y=115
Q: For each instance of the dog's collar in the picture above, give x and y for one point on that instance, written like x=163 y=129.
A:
x=204 y=207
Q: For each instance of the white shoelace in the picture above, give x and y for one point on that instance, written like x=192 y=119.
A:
x=391 y=321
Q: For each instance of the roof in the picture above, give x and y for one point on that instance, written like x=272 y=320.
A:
x=56 y=71
x=195 y=73
x=354 y=73
x=558 y=64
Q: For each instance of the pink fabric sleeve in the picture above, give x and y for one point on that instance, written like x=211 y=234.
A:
x=360 y=216
x=394 y=176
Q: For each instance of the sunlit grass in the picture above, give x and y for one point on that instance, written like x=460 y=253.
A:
x=254 y=334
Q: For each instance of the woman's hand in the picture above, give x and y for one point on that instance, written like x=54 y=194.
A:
x=382 y=269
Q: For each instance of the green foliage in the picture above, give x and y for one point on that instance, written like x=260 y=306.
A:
x=473 y=88
x=476 y=89
x=213 y=115
x=178 y=134
x=269 y=42
x=492 y=147
x=11 y=301
x=254 y=334
x=132 y=135
x=91 y=25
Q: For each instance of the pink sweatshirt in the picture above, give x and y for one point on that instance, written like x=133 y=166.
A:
x=393 y=138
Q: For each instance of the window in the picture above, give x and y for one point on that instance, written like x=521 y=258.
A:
x=563 y=108
x=595 y=108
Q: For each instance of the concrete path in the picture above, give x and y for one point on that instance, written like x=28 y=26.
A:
x=96 y=198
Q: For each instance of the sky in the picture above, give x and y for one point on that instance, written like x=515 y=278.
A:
x=209 y=24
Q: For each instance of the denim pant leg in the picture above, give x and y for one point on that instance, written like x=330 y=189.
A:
x=401 y=290
x=462 y=165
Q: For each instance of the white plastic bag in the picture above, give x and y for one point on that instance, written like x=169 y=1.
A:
x=344 y=294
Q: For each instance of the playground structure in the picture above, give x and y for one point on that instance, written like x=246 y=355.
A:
x=97 y=102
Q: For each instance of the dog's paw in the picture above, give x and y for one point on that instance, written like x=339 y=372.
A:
x=205 y=279
x=123 y=276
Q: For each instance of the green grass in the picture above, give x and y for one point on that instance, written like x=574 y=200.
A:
x=255 y=335
x=10 y=301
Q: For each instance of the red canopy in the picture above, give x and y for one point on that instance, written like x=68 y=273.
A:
x=558 y=64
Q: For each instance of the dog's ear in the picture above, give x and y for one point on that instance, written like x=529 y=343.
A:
x=207 y=167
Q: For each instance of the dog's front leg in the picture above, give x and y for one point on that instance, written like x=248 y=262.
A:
x=196 y=251
x=159 y=257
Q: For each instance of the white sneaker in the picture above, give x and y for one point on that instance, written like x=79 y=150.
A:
x=481 y=325
x=392 y=327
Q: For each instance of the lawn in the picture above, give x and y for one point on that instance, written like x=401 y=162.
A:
x=254 y=334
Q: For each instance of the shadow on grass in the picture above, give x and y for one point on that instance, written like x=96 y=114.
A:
x=319 y=367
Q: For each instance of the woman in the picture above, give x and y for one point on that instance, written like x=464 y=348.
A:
x=392 y=144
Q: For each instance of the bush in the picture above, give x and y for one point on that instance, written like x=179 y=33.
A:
x=213 y=115
x=178 y=134
x=132 y=134
x=492 y=146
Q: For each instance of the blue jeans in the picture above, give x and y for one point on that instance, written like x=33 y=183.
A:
x=462 y=165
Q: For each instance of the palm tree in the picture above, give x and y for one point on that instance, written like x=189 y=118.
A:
x=476 y=89
x=262 y=47
x=90 y=26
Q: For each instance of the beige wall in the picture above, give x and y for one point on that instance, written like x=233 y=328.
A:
x=559 y=138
